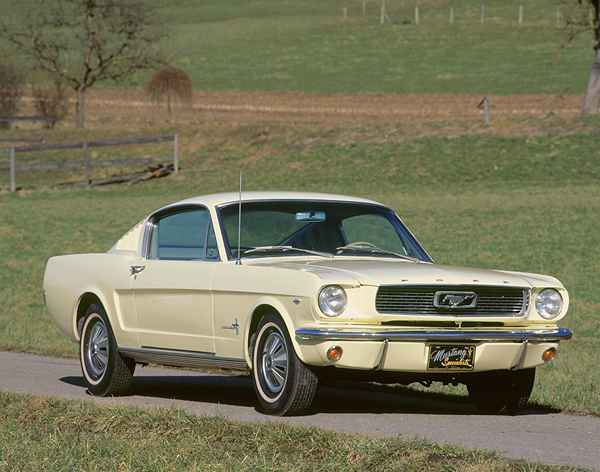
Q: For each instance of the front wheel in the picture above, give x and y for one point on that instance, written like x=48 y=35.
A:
x=283 y=384
x=105 y=371
x=502 y=391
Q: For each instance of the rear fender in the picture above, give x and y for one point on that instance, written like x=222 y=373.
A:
x=108 y=308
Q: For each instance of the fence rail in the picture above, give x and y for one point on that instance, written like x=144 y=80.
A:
x=95 y=144
x=13 y=119
x=22 y=140
x=40 y=165
x=86 y=146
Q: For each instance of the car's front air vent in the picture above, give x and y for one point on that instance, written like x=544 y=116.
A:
x=460 y=300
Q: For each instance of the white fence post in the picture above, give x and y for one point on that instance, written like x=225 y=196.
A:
x=176 y=153
x=417 y=15
x=13 y=171
x=482 y=13
x=520 y=14
x=451 y=15
x=364 y=7
x=345 y=13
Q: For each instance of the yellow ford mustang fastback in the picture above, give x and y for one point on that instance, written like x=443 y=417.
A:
x=298 y=288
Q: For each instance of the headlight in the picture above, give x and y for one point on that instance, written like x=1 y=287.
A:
x=332 y=300
x=549 y=303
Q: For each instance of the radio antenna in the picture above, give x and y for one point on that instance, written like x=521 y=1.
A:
x=238 y=261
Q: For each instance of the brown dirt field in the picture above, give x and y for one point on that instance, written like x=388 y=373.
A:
x=241 y=117
x=315 y=108
x=406 y=115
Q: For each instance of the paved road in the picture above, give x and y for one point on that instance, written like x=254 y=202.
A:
x=537 y=435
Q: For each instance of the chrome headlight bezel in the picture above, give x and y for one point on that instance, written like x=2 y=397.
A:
x=332 y=300
x=549 y=303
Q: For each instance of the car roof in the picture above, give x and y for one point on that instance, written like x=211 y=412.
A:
x=218 y=199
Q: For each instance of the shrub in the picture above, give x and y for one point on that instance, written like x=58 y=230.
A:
x=11 y=91
x=51 y=101
x=170 y=85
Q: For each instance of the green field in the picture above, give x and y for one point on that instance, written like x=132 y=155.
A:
x=306 y=46
x=41 y=434
x=518 y=203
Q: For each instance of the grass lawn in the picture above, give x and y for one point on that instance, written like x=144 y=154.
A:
x=518 y=203
x=42 y=434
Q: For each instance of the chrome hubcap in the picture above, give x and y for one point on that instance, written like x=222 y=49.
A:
x=274 y=363
x=96 y=351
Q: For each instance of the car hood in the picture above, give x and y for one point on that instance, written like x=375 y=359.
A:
x=370 y=271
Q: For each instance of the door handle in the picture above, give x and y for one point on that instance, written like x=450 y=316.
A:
x=136 y=269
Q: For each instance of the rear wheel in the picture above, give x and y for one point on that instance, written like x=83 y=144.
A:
x=105 y=371
x=283 y=384
x=502 y=391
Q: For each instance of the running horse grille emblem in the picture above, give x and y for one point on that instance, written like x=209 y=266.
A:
x=455 y=300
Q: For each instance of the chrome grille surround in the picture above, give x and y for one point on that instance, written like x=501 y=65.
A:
x=501 y=301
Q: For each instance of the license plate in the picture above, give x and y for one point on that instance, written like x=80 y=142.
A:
x=451 y=356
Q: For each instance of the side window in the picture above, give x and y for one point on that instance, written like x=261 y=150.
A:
x=374 y=229
x=182 y=236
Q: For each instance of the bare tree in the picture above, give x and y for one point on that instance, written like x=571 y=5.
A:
x=83 y=42
x=583 y=16
x=171 y=85
x=51 y=101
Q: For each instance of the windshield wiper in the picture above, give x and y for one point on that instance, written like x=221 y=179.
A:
x=285 y=249
x=373 y=250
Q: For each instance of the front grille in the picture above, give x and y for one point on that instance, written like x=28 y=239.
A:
x=419 y=300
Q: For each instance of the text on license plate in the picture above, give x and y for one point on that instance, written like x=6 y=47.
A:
x=451 y=356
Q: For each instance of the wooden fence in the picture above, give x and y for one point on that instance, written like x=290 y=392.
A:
x=16 y=119
x=87 y=162
x=385 y=16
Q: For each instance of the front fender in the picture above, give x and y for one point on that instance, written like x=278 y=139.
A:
x=293 y=315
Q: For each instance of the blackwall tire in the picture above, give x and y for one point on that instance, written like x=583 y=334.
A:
x=284 y=385
x=105 y=371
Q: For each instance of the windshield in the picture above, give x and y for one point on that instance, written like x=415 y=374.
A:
x=326 y=229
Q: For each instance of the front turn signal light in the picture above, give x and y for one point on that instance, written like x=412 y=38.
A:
x=334 y=353
x=549 y=355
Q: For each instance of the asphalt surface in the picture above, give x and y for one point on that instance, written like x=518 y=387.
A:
x=537 y=435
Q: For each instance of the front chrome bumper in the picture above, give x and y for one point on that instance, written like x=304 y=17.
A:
x=513 y=335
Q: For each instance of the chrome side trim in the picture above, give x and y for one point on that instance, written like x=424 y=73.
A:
x=183 y=358
x=513 y=335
